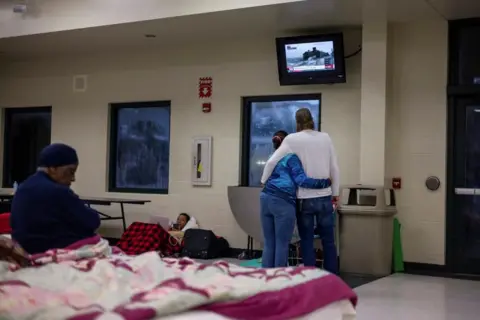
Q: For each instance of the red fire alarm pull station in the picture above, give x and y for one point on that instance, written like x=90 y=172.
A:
x=205 y=87
x=206 y=107
x=396 y=183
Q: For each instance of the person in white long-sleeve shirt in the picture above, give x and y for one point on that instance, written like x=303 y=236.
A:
x=317 y=154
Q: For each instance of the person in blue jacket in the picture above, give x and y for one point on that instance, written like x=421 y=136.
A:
x=278 y=205
x=46 y=213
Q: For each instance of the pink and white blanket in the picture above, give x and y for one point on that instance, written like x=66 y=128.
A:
x=88 y=283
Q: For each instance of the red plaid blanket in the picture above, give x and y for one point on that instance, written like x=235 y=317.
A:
x=145 y=237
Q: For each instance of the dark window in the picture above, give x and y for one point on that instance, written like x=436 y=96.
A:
x=262 y=117
x=139 y=147
x=27 y=132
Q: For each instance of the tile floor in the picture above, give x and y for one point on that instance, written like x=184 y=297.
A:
x=410 y=297
x=355 y=280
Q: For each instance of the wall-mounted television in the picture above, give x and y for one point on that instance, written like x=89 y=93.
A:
x=311 y=59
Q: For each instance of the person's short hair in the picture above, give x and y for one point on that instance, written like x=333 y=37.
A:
x=186 y=215
x=304 y=119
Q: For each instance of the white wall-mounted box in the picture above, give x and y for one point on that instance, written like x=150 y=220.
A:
x=202 y=161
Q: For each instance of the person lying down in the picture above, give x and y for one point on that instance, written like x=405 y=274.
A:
x=184 y=222
x=46 y=213
x=143 y=237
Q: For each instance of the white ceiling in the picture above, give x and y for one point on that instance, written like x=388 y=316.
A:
x=306 y=16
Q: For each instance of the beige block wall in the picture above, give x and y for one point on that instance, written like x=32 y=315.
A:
x=416 y=134
x=415 y=137
x=244 y=68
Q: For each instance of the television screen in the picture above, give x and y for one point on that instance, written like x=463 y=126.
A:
x=310 y=56
x=312 y=59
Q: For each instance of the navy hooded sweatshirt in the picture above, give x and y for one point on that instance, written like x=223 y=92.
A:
x=47 y=215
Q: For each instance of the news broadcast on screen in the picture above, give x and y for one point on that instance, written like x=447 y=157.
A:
x=310 y=57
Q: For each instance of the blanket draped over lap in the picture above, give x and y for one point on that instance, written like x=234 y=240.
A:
x=88 y=282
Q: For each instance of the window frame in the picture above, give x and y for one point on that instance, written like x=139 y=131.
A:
x=115 y=108
x=246 y=124
x=8 y=113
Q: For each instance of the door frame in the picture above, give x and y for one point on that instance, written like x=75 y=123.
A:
x=450 y=190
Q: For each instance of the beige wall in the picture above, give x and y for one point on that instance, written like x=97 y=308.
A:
x=238 y=68
x=415 y=137
x=416 y=134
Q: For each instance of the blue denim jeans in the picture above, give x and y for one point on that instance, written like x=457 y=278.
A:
x=278 y=221
x=320 y=209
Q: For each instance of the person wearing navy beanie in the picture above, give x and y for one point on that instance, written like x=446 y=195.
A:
x=46 y=214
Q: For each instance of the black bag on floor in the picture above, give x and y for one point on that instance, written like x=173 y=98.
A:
x=203 y=244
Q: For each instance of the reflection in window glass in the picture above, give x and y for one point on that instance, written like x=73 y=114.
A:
x=142 y=148
x=470 y=205
x=472 y=147
x=266 y=119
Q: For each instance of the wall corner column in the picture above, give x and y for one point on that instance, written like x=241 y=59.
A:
x=373 y=92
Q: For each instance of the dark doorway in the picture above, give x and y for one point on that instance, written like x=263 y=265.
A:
x=27 y=132
x=463 y=184
x=464 y=223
